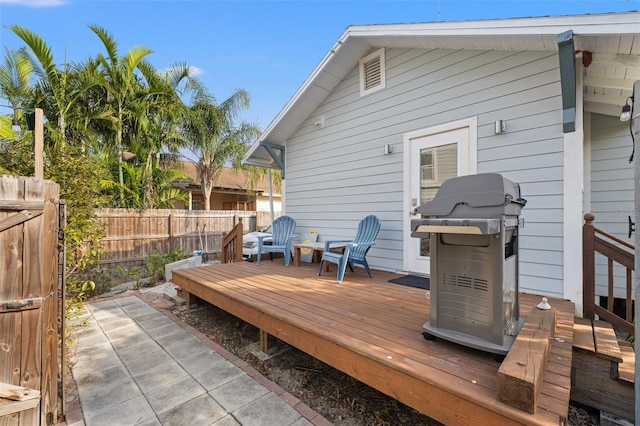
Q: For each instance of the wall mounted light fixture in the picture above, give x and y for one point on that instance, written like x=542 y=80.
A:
x=388 y=149
x=501 y=127
x=625 y=115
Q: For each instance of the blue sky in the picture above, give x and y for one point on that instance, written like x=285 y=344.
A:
x=265 y=47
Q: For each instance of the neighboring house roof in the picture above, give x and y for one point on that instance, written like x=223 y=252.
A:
x=230 y=179
x=612 y=41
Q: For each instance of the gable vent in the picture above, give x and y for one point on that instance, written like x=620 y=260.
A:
x=372 y=72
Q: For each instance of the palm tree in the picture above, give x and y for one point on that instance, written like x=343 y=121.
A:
x=156 y=115
x=57 y=91
x=215 y=138
x=15 y=75
x=121 y=84
x=91 y=120
x=165 y=194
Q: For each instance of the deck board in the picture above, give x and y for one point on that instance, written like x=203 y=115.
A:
x=371 y=330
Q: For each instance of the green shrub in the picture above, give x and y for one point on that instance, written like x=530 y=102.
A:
x=156 y=261
x=88 y=283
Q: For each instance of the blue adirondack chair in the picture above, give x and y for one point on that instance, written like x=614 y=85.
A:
x=355 y=250
x=281 y=238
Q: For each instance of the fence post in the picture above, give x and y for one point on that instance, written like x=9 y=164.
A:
x=588 y=266
x=171 y=242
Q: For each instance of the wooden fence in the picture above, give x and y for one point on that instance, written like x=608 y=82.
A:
x=132 y=235
x=29 y=301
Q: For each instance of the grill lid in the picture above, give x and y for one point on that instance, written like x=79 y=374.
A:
x=489 y=192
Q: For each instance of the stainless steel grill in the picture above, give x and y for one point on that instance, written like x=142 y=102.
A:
x=472 y=224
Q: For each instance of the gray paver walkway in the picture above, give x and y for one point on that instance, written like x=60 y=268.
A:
x=136 y=365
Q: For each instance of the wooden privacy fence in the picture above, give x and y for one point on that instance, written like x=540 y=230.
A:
x=132 y=235
x=29 y=301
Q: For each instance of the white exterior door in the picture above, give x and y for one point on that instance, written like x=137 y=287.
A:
x=435 y=155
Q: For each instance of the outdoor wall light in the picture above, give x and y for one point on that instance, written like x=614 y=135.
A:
x=625 y=115
x=388 y=149
x=500 y=127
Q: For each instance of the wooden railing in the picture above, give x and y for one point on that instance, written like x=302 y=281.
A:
x=232 y=244
x=615 y=250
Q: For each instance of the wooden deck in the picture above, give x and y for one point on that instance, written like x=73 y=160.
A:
x=371 y=330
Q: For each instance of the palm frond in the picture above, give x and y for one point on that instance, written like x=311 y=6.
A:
x=15 y=74
x=109 y=43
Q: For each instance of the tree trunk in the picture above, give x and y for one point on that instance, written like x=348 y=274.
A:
x=120 y=169
x=206 y=194
x=148 y=191
x=120 y=176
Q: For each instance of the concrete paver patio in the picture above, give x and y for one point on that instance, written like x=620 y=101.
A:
x=134 y=364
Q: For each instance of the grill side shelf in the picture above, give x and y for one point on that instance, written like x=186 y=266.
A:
x=420 y=227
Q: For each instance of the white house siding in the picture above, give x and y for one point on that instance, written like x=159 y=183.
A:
x=612 y=193
x=338 y=173
x=264 y=205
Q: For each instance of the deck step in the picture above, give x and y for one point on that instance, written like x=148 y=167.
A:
x=626 y=369
x=596 y=337
x=599 y=369
x=583 y=335
x=606 y=341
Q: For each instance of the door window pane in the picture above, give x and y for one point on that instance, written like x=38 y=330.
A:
x=437 y=164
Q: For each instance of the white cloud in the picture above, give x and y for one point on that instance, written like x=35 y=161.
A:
x=195 y=71
x=35 y=3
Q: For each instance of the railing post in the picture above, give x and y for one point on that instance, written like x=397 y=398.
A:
x=223 y=251
x=239 y=241
x=232 y=244
x=588 y=266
